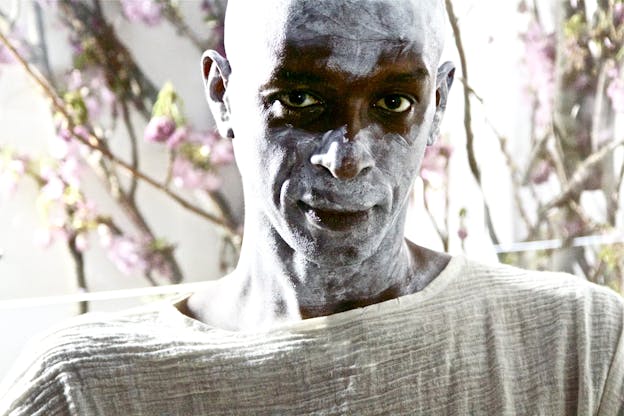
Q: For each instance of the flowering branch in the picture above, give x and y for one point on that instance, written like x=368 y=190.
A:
x=583 y=173
x=96 y=144
x=98 y=44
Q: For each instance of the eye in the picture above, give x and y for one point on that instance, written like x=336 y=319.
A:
x=298 y=99
x=395 y=103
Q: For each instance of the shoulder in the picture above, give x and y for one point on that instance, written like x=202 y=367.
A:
x=549 y=303
x=53 y=365
x=505 y=281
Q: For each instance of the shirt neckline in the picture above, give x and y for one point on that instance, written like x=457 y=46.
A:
x=450 y=272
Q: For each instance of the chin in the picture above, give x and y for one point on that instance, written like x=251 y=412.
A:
x=336 y=249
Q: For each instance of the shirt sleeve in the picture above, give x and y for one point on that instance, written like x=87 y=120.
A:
x=612 y=401
x=34 y=386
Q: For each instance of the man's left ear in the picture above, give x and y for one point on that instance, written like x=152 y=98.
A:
x=444 y=81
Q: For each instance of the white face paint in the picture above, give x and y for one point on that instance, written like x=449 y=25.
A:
x=332 y=105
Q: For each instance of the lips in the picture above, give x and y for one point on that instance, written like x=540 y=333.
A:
x=337 y=220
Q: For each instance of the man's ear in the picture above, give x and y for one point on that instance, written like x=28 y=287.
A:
x=216 y=72
x=444 y=81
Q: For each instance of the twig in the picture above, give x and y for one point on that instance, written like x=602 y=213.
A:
x=224 y=208
x=172 y=14
x=580 y=176
x=444 y=237
x=13 y=16
x=134 y=151
x=536 y=152
x=43 y=44
x=472 y=161
x=81 y=280
x=618 y=188
x=95 y=143
x=514 y=177
x=558 y=156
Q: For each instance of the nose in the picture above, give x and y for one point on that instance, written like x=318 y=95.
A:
x=343 y=158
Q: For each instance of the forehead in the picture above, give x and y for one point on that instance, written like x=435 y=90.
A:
x=353 y=36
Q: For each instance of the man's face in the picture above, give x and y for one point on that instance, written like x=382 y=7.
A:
x=331 y=118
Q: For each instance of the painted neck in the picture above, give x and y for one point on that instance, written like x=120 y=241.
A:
x=296 y=287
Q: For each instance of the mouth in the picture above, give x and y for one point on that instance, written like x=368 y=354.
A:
x=336 y=220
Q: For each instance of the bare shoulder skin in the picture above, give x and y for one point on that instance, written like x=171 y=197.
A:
x=330 y=105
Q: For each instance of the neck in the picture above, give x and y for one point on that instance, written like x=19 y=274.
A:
x=290 y=286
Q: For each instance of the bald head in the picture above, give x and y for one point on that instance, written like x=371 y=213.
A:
x=254 y=27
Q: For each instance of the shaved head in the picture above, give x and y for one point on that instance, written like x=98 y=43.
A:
x=253 y=27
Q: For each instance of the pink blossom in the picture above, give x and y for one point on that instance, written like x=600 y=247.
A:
x=541 y=172
x=618 y=14
x=105 y=234
x=70 y=170
x=435 y=160
x=146 y=11
x=10 y=174
x=99 y=94
x=82 y=242
x=540 y=63
x=94 y=88
x=82 y=131
x=187 y=176
x=615 y=91
x=132 y=256
x=179 y=136
x=127 y=255
x=159 y=129
x=222 y=153
x=85 y=211
x=53 y=190
x=94 y=106
x=462 y=233
x=207 y=137
x=74 y=80
x=63 y=145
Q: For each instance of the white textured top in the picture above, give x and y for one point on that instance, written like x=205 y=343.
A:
x=479 y=340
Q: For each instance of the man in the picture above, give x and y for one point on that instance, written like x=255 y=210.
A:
x=330 y=104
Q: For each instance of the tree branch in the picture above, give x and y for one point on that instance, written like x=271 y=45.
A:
x=134 y=151
x=583 y=172
x=81 y=280
x=472 y=161
x=96 y=144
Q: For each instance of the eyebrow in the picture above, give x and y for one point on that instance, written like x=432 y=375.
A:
x=418 y=75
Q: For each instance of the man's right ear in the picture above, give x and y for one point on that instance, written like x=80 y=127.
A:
x=216 y=72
